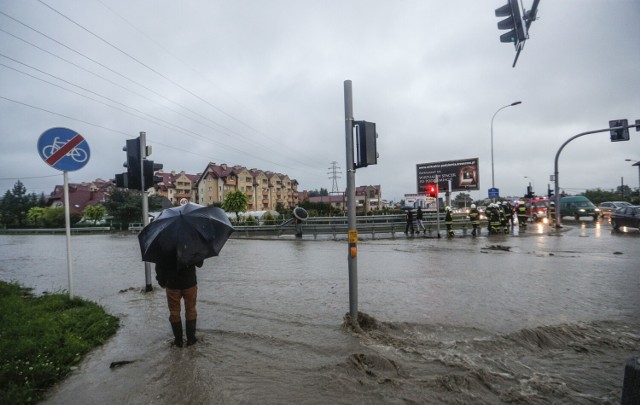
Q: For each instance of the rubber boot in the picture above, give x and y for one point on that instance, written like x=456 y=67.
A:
x=191 y=332
x=176 y=327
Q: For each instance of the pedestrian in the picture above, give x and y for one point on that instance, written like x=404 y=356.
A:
x=180 y=283
x=419 y=218
x=508 y=212
x=493 y=218
x=474 y=217
x=409 y=218
x=521 y=212
x=448 y=221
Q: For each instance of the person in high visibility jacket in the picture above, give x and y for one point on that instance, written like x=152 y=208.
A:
x=493 y=217
x=508 y=212
x=503 y=217
x=474 y=217
x=448 y=221
x=521 y=211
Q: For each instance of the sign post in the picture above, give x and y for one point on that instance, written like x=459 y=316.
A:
x=65 y=150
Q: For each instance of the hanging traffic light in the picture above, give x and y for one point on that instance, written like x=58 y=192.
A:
x=621 y=133
x=432 y=190
x=514 y=23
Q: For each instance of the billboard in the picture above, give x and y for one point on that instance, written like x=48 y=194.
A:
x=463 y=174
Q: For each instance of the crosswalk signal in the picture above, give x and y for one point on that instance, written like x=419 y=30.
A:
x=432 y=190
x=621 y=133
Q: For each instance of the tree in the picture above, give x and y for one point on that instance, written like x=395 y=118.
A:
x=95 y=212
x=36 y=215
x=16 y=204
x=236 y=201
x=125 y=206
x=462 y=200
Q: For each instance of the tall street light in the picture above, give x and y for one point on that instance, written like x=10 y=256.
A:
x=532 y=182
x=636 y=164
x=493 y=183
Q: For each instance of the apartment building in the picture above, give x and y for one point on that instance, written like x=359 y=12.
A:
x=265 y=189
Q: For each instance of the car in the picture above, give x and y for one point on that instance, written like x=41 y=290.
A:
x=608 y=207
x=628 y=216
x=578 y=206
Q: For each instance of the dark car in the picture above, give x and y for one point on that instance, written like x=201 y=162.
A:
x=626 y=216
x=608 y=207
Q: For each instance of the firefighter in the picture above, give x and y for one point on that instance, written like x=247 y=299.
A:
x=493 y=217
x=503 y=217
x=448 y=221
x=521 y=211
x=508 y=212
x=474 y=217
x=552 y=212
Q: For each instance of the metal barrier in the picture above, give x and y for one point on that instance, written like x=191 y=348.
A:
x=374 y=225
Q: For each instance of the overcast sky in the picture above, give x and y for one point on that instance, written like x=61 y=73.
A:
x=260 y=83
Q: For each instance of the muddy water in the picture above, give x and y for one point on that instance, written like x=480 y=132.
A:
x=539 y=318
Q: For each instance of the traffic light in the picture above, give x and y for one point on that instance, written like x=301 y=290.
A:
x=367 y=153
x=133 y=163
x=432 y=190
x=150 y=179
x=514 y=23
x=621 y=133
x=121 y=180
x=549 y=192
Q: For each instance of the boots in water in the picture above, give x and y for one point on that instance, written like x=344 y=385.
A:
x=177 y=333
x=191 y=332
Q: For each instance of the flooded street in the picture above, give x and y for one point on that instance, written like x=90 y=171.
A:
x=536 y=318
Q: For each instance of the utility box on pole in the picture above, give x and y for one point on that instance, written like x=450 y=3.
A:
x=367 y=152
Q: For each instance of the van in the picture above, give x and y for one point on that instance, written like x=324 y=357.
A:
x=578 y=206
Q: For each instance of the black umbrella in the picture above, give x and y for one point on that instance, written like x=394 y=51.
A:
x=189 y=233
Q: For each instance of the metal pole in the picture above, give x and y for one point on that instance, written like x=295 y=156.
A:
x=437 y=207
x=493 y=183
x=556 y=173
x=67 y=221
x=145 y=206
x=351 y=203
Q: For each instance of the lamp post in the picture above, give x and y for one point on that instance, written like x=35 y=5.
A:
x=493 y=183
x=636 y=164
x=532 y=182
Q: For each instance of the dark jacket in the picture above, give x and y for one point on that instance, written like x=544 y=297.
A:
x=176 y=276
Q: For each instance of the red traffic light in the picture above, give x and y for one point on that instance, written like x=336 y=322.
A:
x=432 y=190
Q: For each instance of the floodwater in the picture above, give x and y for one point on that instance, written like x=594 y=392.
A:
x=537 y=318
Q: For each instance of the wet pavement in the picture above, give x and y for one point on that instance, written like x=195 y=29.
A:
x=543 y=317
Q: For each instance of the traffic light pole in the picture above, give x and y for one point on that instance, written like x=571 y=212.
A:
x=145 y=206
x=556 y=174
x=351 y=205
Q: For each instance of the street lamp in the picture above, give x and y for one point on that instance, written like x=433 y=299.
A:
x=532 y=182
x=636 y=164
x=493 y=183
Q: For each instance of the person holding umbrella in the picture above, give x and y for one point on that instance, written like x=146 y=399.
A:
x=178 y=241
x=180 y=283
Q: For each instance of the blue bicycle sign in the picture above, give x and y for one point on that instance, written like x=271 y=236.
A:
x=63 y=149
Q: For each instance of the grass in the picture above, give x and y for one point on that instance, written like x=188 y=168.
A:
x=42 y=338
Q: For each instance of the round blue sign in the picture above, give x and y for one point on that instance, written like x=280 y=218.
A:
x=63 y=149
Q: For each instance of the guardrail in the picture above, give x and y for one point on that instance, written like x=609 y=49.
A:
x=373 y=225
x=58 y=230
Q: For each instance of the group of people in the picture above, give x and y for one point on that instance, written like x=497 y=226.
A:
x=500 y=218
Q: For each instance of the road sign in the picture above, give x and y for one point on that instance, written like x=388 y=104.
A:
x=184 y=201
x=63 y=149
x=494 y=193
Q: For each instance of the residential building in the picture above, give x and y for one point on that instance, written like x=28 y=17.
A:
x=368 y=198
x=81 y=195
x=264 y=189
x=176 y=186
